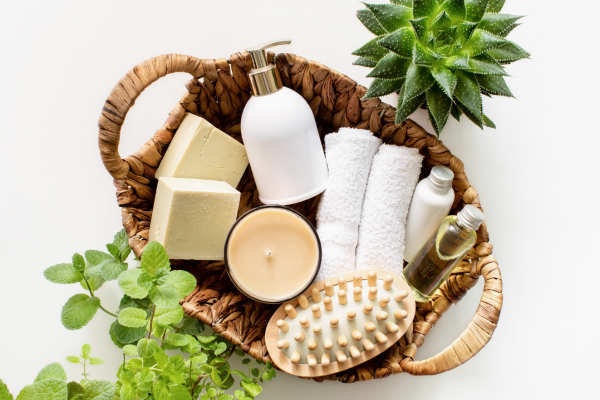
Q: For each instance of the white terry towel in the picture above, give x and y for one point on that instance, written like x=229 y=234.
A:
x=349 y=154
x=394 y=176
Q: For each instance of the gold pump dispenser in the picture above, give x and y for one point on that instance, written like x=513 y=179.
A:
x=264 y=78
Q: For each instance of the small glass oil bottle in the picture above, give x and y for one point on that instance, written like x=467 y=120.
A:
x=432 y=265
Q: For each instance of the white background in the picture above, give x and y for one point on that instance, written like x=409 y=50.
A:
x=537 y=176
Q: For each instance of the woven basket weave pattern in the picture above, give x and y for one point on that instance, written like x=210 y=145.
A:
x=218 y=92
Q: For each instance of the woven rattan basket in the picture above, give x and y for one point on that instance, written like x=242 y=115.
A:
x=218 y=91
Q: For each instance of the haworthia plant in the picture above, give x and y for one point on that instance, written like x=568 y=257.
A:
x=440 y=53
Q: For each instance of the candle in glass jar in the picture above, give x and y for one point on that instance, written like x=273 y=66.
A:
x=272 y=254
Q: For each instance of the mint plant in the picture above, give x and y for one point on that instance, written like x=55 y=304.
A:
x=51 y=384
x=149 y=324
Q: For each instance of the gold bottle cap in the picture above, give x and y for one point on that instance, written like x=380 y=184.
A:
x=264 y=78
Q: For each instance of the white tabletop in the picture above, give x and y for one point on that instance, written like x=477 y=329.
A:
x=60 y=60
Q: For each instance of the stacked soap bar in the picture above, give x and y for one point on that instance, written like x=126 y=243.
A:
x=192 y=217
x=201 y=151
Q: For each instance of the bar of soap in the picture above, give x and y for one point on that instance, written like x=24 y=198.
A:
x=192 y=217
x=201 y=151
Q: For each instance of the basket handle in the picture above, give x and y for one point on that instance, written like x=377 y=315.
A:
x=477 y=334
x=123 y=96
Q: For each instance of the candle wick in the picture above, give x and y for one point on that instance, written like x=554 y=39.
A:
x=269 y=253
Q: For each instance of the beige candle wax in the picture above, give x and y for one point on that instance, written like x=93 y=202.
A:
x=272 y=254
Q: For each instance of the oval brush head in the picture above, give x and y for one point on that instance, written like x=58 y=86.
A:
x=340 y=322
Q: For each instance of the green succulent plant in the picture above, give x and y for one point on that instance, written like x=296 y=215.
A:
x=441 y=54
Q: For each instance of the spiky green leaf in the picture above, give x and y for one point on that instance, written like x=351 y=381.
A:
x=406 y=108
x=456 y=9
x=508 y=52
x=424 y=8
x=446 y=79
x=421 y=56
x=488 y=122
x=459 y=61
x=442 y=21
x=495 y=6
x=494 y=84
x=482 y=41
x=392 y=66
x=400 y=42
x=370 y=22
x=467 y=93
x=486 y=66
x=474 y=118
x=382 y=87
x=390 y=16
x=420 y=27
x=371 y=50
x=418 y=80
x=475 y=9
x=439 y=106
x=498 y=23
x=465 y=30
x=455 y=112
x=405 y=3
x=508 y=30
x=364 y=62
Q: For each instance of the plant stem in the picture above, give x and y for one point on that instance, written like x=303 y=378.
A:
x=151 y=318
x=108 y=312
x=162 y=340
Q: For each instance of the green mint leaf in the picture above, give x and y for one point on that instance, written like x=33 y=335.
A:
x=96 y=282
x=75 y=390
x=4 y=392
x=132 y=317
x=145 y=280
x=146 y=348
x=96 y=361
x=127 y=392
x=99 y=390
x=164 y=296
x=130 y=350
x=113 y=336
x=183 y=282
x=221 y=347
x=177 y=339
x=206 y=339
x=191 y=326
x=79 y=310
x=126 y=335
x=111 y=269
x=47 y=389
x=86 y=350
x=93 y=271
x=78 y=262
x=225 y=396
x=128 y=284
x=166 y=316
x=154 y=258
x=161 y=391
x=255 y=371
x=113 y=250
x=73 y=359
x=252 y=388
x=161 y=358
x=239 y=394
x=95 y=257
x=127 y=301
x=246 y=361
x=63 y=274
x=158 y=330
x=193 y=346
x=211 y=392
x=179 y=392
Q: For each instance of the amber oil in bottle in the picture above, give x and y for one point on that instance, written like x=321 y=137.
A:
x=432 y=265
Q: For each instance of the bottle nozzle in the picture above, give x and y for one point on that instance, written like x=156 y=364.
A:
x=259 y=55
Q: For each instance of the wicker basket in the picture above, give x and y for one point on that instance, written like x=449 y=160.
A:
x=218 y=92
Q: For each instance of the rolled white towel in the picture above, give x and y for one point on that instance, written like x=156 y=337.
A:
x=394 y=176
x=349 y=154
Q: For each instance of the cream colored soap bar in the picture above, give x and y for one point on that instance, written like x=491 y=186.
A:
x=201 y=151
x=192 y=217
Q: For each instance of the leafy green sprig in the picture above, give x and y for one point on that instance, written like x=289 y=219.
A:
x=149 y=322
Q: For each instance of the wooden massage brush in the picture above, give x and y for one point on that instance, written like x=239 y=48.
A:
x=340 y=322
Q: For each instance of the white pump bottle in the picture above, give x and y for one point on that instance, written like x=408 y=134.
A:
x=281 y=137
